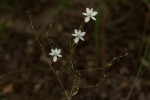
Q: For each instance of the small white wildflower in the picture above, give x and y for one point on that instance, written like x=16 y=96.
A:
x=89 y=14
x=55 y=53
x=78 y=35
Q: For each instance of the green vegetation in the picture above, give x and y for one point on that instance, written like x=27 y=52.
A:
x=3 y=29
x=62 y=4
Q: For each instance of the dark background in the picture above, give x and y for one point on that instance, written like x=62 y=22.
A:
x=122 y=27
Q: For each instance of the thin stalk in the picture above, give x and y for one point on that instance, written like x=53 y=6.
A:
x=95 y=85
x=72 y=88
x=106 y=65
x=138 y=73
x=49 y=63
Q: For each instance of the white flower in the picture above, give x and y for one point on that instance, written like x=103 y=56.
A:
x=55 y=53
x=89 y=14
x=78 y=35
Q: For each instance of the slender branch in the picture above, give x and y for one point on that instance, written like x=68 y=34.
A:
x=107 y=65
x=138 y=73
x=49 y=63
x=72 y=88
x=95 y=85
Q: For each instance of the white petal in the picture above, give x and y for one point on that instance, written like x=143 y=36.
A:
x=76 y=40
x=55 y=58
x=82 y=34
x=52 y=50
x=93 y=18
x=76 y=31
x=58 y=51
x=82 y=38
x=51 y=54
x=79 y=31
x=91 y=10
x=87 y=10
x=74 y=35
x=55 y=49
x=87 y=19
x=85 y=14
x=59 y=55
x=94 y=13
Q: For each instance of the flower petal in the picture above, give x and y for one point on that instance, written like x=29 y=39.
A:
x=87 y=19
x=51 y=54
x=94 y=13
x=82 y=33
x=76 y=40
x=55 y=50
x=85 y=14
x=82 y=38
x=79 y=31
x=52 y=50
x=59 y=55
x=93 y=18
x=87 y=10
x=76 y=32
x=74 y=35
x=91 y=10
x=58 y=51
x=55 y=58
